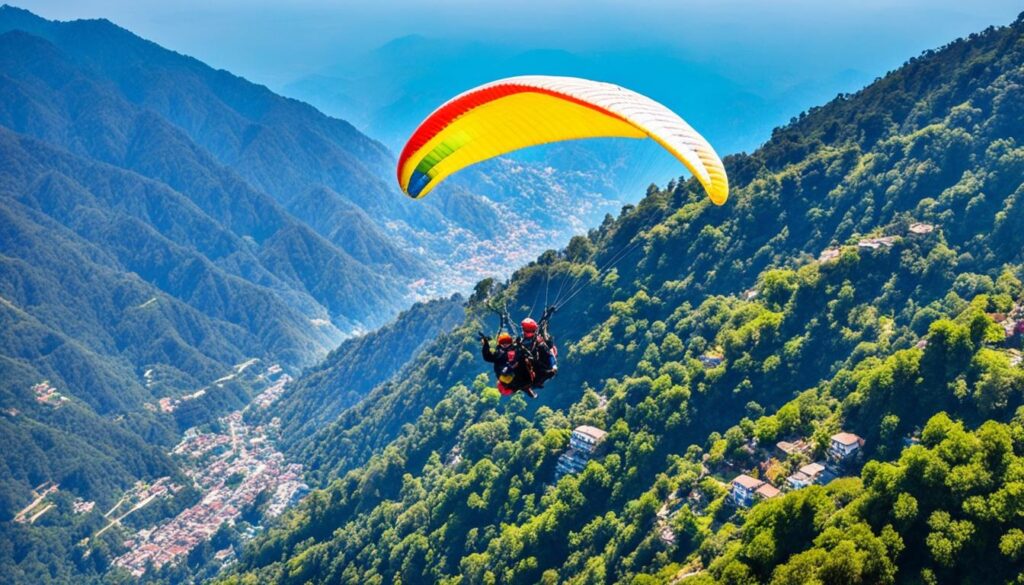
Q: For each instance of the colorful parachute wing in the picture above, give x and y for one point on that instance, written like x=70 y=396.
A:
x=509 y=114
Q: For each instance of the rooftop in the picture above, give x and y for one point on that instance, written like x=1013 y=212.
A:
x=748 y=482
x=845 y=438
x=791 y=448
x=767 y=490
x=799 y=477
x=812 y=469
x=875 y=243
x=828 y=254
x=593 y=432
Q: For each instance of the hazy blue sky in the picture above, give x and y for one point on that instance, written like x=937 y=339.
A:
x=764 y=44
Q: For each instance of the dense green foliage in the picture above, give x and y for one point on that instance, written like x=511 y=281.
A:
x=946 y=511
x=436 y=479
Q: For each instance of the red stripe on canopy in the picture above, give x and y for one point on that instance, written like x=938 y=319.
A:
x=452 y=110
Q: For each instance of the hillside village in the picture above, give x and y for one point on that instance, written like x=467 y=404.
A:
x=46 y=393
x=235 y=468
x=768 y=473
x=842 y=457
x=832 y=253
x=843 y=449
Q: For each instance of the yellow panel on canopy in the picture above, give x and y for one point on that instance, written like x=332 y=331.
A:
x=511 y=123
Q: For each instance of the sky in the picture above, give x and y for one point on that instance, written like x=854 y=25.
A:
x=767 y=45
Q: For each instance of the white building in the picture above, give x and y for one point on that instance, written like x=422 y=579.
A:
x=582 y=444
x=586 y=438
x=745 y=489
x=844 y=445
x=807 y=475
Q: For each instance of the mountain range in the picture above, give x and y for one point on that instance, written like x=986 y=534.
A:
x=864 y=280
x=169 y=233
x=162 y=223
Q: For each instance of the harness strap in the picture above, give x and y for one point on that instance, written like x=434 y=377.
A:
x=543 y=325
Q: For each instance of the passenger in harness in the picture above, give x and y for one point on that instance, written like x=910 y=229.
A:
x=526 y=362
x=511 y=365
x=540 y=351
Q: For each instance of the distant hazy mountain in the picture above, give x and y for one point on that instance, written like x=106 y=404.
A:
x=388 y=91
x=83 y=95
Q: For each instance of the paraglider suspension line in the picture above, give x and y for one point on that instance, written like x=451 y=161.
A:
x=603 y=271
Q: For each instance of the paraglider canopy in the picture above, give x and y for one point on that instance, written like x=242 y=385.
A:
x=514 y=113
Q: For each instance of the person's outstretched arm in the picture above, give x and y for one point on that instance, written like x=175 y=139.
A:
x=485 y=351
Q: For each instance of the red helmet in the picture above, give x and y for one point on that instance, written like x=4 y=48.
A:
x=504 y=338
x=529 y=327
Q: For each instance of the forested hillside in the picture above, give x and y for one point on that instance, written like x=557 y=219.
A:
x=162 y=226
x=358 y=365
x=135 y=267
x=67 y=94
x=864 y=277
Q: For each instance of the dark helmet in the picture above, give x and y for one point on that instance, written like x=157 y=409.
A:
x=529 y=327
x=504 y=339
